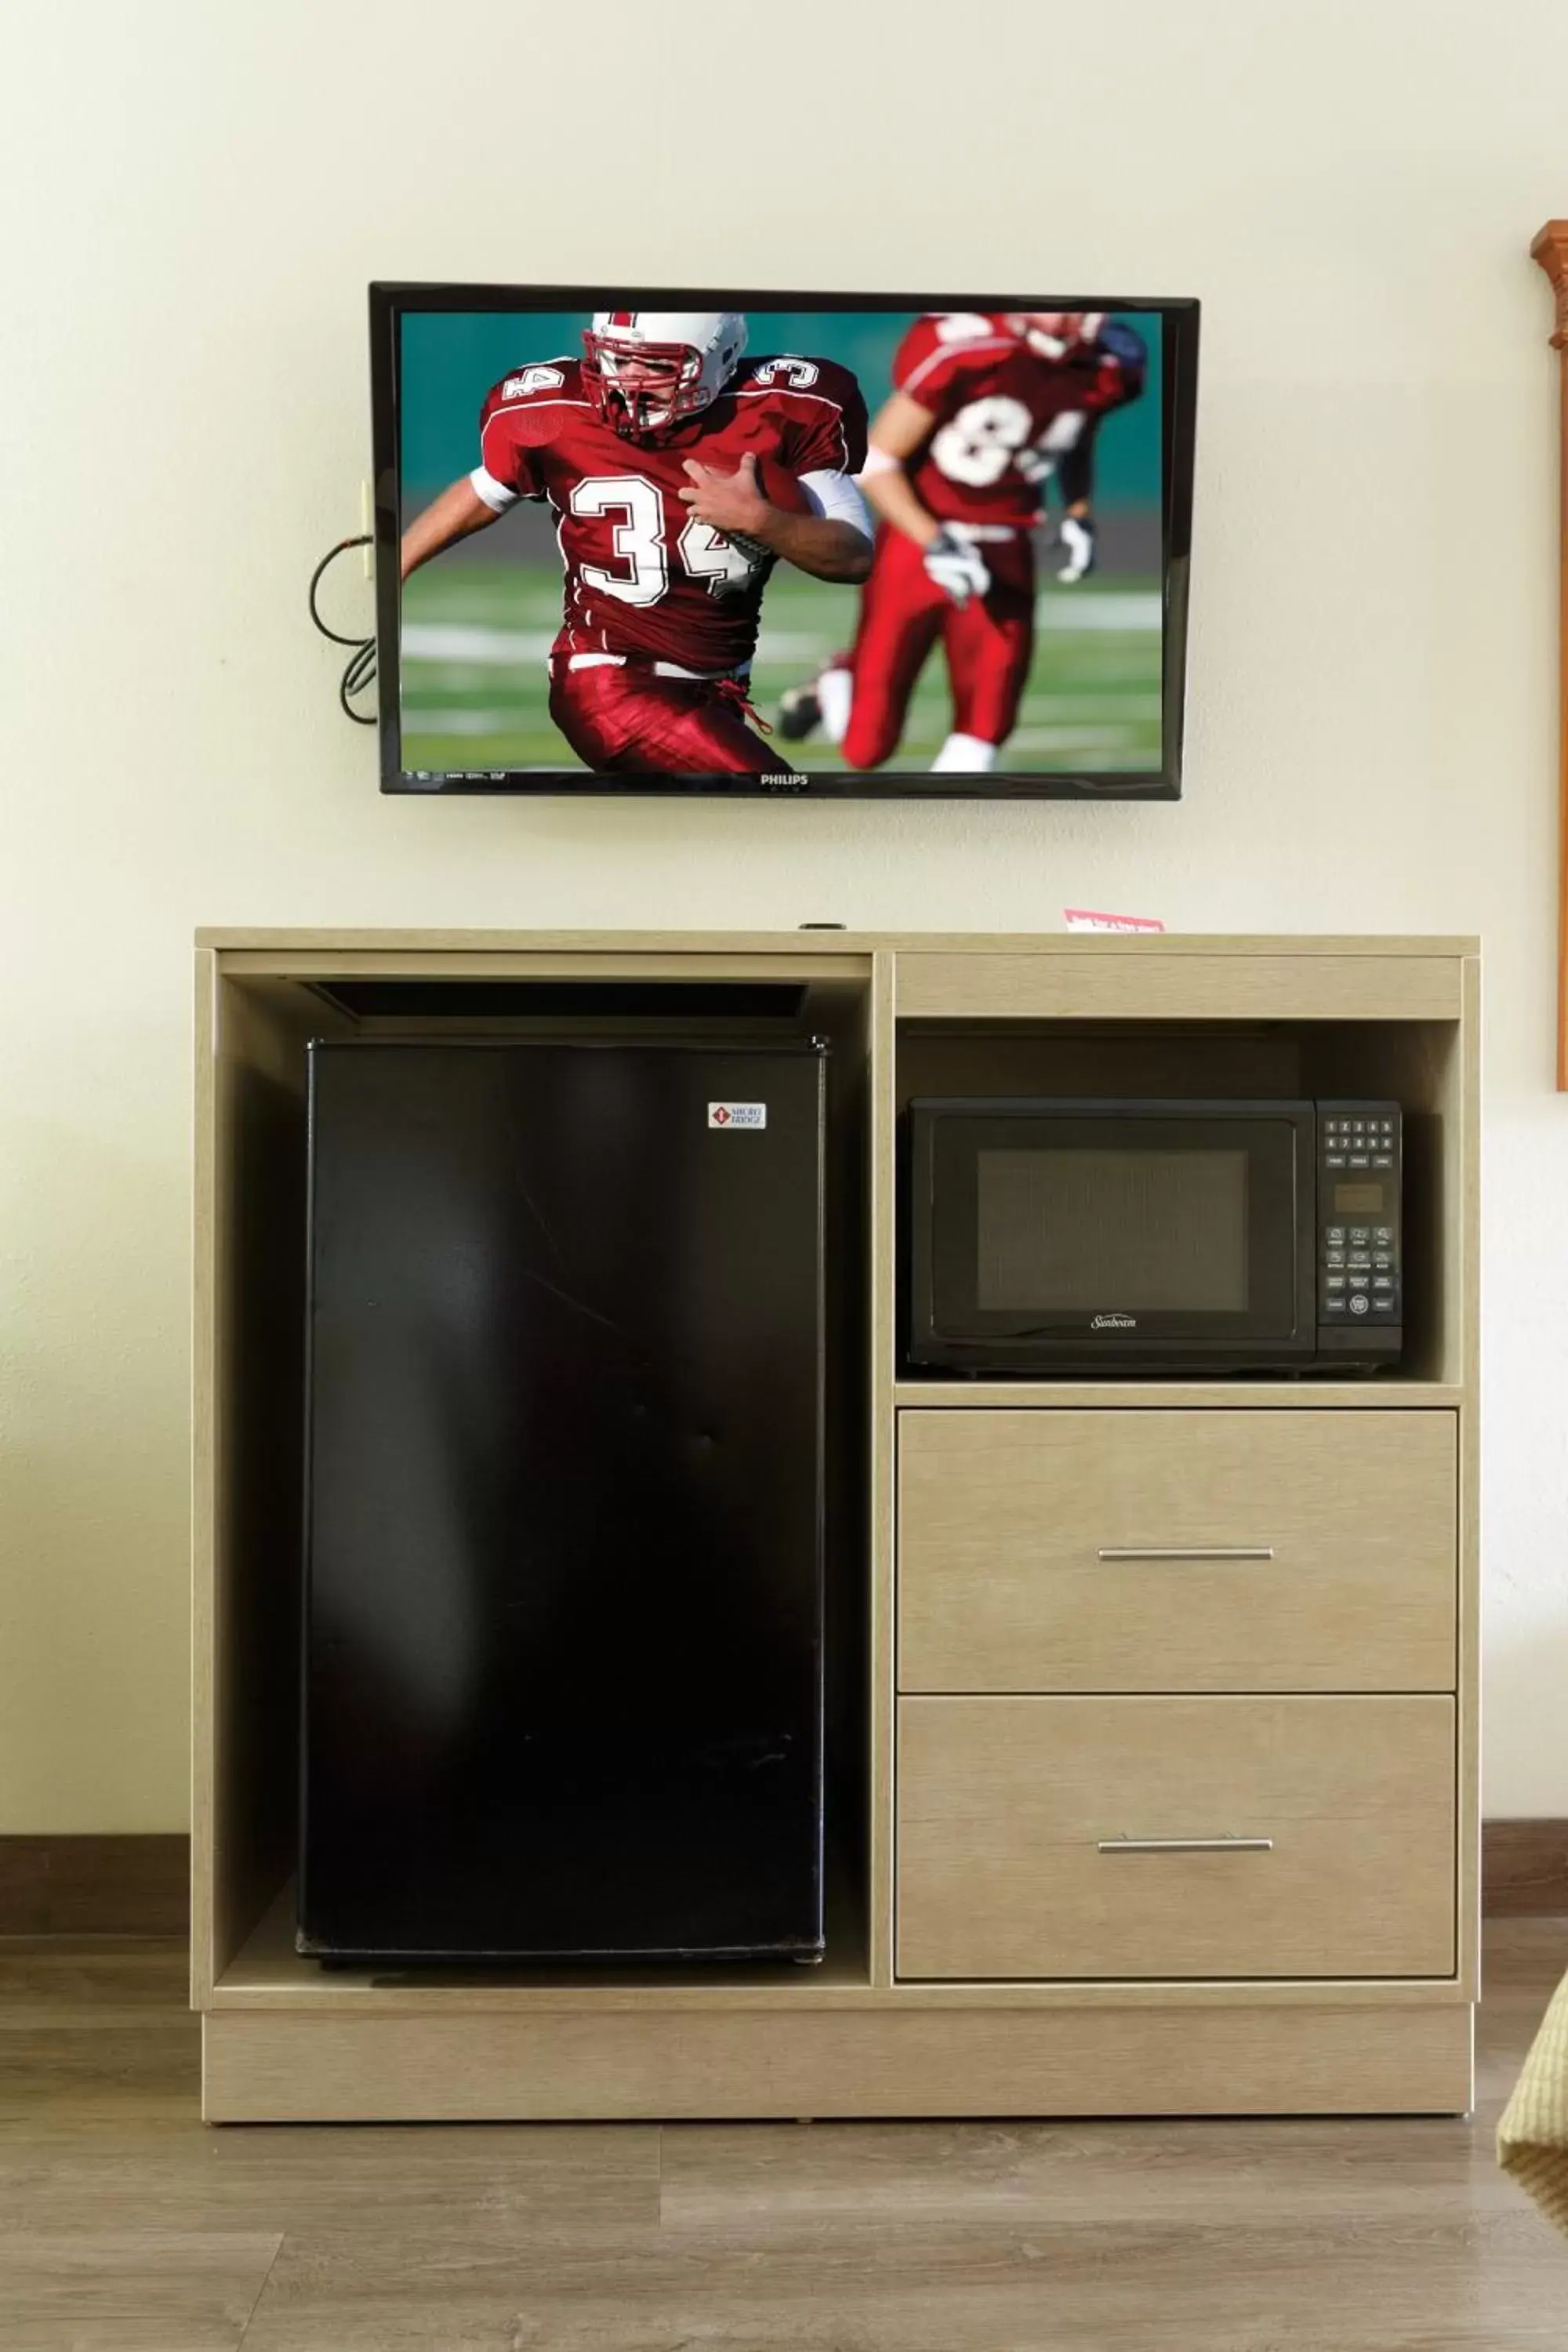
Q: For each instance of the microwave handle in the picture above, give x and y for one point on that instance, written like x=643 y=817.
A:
x=1186 y=1551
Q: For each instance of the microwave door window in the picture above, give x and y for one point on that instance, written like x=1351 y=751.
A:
x=1085 y=1230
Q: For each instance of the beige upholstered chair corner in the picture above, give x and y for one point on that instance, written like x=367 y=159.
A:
x=1533 y=2137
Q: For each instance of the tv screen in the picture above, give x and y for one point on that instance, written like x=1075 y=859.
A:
x=655 y=542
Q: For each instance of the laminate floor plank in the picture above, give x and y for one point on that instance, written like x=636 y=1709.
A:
x=489 y=2183
x=115 y=2290
x=1340 y=2283
x=126 y=2225
x=853 y=2180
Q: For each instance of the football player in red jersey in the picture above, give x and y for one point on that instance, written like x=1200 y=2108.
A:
x=658 y=450
x=985 y=408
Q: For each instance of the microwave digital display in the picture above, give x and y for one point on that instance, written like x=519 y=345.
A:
x=1361 y=1199
x=1064 y=1230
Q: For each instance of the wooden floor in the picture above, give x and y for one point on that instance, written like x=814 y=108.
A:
x=125 y=2226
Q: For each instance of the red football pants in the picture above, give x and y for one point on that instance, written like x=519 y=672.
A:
x=622 y=720
x=989 y=643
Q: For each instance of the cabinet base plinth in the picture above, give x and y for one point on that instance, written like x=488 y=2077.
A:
x=640 y=2065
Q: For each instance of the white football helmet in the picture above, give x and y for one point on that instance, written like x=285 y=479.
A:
x=1055 y=334
x=645 y=370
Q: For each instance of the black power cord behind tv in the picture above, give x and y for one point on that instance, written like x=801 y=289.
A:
x=359 y=669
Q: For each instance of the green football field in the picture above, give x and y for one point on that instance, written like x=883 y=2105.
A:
x=476 y=635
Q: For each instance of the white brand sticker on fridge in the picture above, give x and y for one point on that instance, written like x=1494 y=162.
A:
x=737 y=1114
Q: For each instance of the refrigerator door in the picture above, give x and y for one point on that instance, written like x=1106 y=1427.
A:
x=563 y=1647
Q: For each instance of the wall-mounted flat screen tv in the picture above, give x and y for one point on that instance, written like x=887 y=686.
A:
x=637 y=541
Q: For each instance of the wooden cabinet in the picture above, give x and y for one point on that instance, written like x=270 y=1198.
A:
x=1177 y=1551
x=1154 y=1704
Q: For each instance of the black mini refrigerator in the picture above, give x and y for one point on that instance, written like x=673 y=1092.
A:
x=562 y=1662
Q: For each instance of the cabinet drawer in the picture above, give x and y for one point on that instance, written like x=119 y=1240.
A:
x=1019 y=1821
x=1300 y=1550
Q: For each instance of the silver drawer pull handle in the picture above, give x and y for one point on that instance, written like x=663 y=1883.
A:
x=1187 y=1845
x=1186 y=1551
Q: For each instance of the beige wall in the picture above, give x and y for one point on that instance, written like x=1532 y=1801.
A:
x=194 y=196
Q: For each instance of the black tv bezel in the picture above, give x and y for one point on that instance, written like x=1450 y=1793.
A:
x=390 y=301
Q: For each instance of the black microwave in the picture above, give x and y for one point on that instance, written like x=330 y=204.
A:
x=1046 y=1236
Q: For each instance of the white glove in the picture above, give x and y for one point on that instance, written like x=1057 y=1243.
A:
x=1076 y=536
x=958 y=569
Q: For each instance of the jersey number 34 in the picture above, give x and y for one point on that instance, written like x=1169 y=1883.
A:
x=636 y=510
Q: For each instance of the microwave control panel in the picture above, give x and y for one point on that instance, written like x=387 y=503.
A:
x=1359 y=1167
